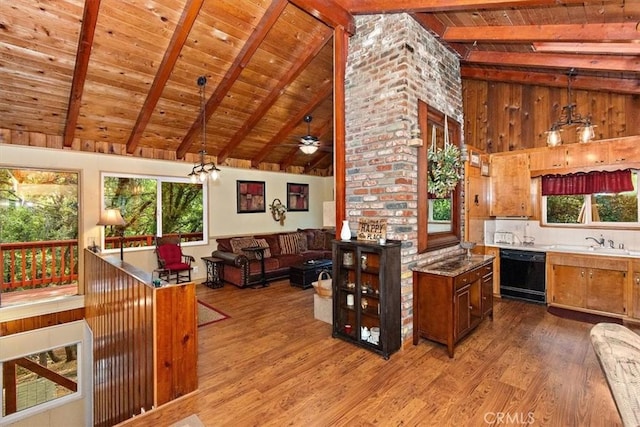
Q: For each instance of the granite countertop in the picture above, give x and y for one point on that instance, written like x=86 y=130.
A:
x=454 y=266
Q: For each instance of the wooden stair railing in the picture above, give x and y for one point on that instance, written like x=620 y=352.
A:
x=145 y=339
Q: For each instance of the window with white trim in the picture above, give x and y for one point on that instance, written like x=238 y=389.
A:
x=154 y=206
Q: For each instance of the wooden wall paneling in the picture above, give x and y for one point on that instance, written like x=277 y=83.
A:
x=527 y=126
x=500 y=134
x=632 y=111
x=514 y=109
x=618 y=116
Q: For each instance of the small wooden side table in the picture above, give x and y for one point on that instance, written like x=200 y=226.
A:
x=259 y=253
x=215 y=271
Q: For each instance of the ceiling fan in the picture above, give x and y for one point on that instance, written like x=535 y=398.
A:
x=309 y=144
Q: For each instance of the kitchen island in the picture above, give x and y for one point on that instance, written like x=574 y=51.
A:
x=451 y=297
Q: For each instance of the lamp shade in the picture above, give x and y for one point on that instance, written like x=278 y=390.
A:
x=329 y=213
x=308 y=149
x=111 y=217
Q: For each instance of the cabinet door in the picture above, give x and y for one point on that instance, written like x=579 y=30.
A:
x=510 y=185
x=548 y=158
x=462 y=311
x=586 y=155
x=635 y=295
x=605 y=290
x=568 y=285
x=624 y=152
x=487 y=291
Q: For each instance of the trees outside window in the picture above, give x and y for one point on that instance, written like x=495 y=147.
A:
x=154 y=206
x=38 y=234
x=600 y=210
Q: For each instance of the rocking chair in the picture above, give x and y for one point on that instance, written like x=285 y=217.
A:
x=171 y=260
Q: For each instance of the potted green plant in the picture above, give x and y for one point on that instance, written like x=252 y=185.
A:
x=444 y=166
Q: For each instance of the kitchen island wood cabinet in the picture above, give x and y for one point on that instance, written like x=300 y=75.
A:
x=634 y=310
x=588 y=283
x=450 y=298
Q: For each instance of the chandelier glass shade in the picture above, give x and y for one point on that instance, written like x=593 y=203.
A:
x=569 y=117
x=308 y=149
x=202 y=171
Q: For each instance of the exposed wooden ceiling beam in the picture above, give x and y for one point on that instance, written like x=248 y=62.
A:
x=432 y=24
x=89 y=19
x=550 y=60
x=317 y=161
x=248 y=50
x=616 y=32
x=599 y=48
x=298 y=66
x=322 y=93
x=179 y=37
x=330 y=12
x=554 y=80
x=396 y=6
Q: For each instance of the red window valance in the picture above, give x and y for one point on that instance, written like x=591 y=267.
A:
x=587 y=183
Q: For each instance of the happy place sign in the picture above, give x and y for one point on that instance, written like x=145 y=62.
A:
x=372 y=229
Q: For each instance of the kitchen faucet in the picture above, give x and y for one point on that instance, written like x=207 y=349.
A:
x=599 y=241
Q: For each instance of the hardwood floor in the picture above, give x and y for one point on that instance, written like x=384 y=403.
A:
x=272 y=363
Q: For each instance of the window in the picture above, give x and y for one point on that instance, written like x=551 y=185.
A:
x=39 y=378
x=153 y=206
x=38 y=235
x=597 y=209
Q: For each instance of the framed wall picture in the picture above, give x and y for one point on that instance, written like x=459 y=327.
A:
x=297 y=197
x=484 y=167
x=250 y=196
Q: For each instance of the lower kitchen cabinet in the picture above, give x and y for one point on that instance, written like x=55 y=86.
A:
x=450 y=300
x=588 y=283
x=635 y=290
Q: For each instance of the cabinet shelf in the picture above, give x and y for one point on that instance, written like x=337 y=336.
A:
x=373 y=271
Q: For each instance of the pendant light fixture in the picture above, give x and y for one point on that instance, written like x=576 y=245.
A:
x=202 y=171
x=569 y=117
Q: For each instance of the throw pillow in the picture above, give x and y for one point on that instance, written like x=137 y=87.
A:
x=263 y=244
x=238 y=243
x=302 y=242
x=317 y=240
x=289 y=243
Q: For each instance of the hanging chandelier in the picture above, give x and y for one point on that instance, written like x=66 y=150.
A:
x=569 y=117
x=202 y=171
x=309 y=143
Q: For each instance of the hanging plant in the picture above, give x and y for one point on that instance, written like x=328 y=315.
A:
x=444 y=165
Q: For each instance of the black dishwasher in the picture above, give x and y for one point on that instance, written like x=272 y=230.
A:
x=522 y=275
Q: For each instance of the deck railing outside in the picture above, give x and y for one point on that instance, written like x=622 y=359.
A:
x=30 y=265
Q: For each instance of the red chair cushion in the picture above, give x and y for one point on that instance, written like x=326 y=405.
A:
x=178 y=266
x=170 y=254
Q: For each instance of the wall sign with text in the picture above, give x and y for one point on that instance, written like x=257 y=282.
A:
x=372 y=229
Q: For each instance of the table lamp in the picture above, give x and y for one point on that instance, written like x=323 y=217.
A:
x=113 y=217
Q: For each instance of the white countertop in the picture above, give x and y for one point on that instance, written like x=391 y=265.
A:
x=568 y=248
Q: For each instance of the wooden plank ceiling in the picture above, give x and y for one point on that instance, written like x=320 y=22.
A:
x=125 y=72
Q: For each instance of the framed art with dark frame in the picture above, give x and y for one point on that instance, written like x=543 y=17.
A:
x=250 y=196
x=297 y=197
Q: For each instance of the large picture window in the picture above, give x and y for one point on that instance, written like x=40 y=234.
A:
x=597 y=209
x=154 y=206
x=38 y=235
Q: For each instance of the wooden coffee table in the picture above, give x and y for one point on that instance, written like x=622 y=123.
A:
x=302 y=275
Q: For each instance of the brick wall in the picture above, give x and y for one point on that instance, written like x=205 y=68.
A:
x=392 y=63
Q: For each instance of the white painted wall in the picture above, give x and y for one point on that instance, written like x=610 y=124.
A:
x=69 y=411
x=223 y=219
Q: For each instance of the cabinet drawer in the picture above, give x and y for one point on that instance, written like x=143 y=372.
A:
x=466 y=278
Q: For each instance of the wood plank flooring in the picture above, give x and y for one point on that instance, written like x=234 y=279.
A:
x=273 y=364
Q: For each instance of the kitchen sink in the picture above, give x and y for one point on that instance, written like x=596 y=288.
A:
x=572 y=248
x=612 y=251
x=591 y=249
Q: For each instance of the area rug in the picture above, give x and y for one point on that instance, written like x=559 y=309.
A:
x=190 y=421
x=208 y=315
x=582 y=317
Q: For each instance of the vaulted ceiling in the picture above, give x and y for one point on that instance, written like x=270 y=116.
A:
x=125 y=72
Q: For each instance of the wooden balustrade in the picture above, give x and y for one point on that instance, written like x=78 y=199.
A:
x=145 y=339
x=29 y=265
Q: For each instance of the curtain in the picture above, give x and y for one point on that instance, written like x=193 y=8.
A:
x=587 y=183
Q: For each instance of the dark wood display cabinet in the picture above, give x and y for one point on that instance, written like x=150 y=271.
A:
x=366 y=294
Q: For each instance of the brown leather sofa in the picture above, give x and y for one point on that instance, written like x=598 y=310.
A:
x=282 y=250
